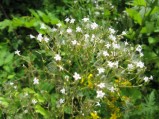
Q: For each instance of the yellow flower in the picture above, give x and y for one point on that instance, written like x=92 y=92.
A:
x=90 y=76
x=94 y=115
x=113 y=116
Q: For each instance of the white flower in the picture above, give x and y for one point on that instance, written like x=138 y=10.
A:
x=110 y=64
x=11 y=83
x=101 y=85
x=105 y=53
x=126 y=43
x=85 y=19
x=36 y=81
x=72 y=21
x=112 y=31
x=67 y=20
x=140 y=64
x=46 y=39
x=69 y=30
x=141 y=54
x=31 y=36
x=139 y=48
x=113 y=38
x=39 y=37
x=151 y=78
x=101 y=70
x=25 y=111
x=76 y=76
x=116 y=46
x=54 y=29
x=57 y=57
x=146 y=79
x=63 y=91
x=78 y=29
x=130 y=66
x=100 y=94
x=59 y=24
x=94 y=25
x=123 y=33
x=17 y=52
x=61 y=101
x=34 y=101
x=42 y=26
x=86 y=36
x=112 y=89
x=98 y=104
x=74 y=42
x=108 y=45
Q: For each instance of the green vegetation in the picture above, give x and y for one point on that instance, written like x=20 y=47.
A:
x=79 y=59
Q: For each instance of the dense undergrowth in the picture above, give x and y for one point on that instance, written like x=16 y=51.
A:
x=83 y=59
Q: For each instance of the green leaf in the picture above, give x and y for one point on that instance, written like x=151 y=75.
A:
x=152 y=40
x=8 y=59
x=140 y=2
x=42 y=111
x=68 y=109
x=135 y=15
x=4 y=102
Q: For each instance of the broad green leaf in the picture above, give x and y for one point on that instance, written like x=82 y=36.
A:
x=8 y=58
x=140 y=2
x=135 y=15
x=28 y=90
x=153 y=40
x=4 y=102
x=42 y=111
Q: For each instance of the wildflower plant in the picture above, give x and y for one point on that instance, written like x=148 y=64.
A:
x=84 y=71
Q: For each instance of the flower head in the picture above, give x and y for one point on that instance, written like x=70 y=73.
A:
x=100 y=94
x=57 y=57
x=76 y=76
x=36 y=81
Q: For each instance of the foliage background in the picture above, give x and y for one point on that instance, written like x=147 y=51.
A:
x=19 y=18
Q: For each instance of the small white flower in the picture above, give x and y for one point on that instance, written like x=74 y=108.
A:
x=113 y=38
x=108 y=45
x=34 y=101
x=151 y=77
x=126 y=43
x=141 y=54
x=61 y=101
x=63 y=91
x=139 y=48
x=25 y=111
x=101 y=85
x=31 y=36
x=115 y=45
x=36 y=81
x=112 y=31
x=46 y=39
x=98 y=104
x=17 y=52
x=146 y=79
x=61 y=68
x=76 y=76
x=11 y=83
x=67 y=20
x=112 y=89
x=42 y=26
x=15 y=87
x=85 y=19
x=39 y=37
x=130 y=66
x=100 y=94
x=59 y=24
x=110 y=64
x=86 y=36
x=57 y=57
x=74 y=42
x=140 y=64
x=94 y=25
x=78 y=29
x=72 y=21
x=67 y=77
x=54 y=29
x=123 y=33
x=69 y=30
x=101 y=70
x=105 y=53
